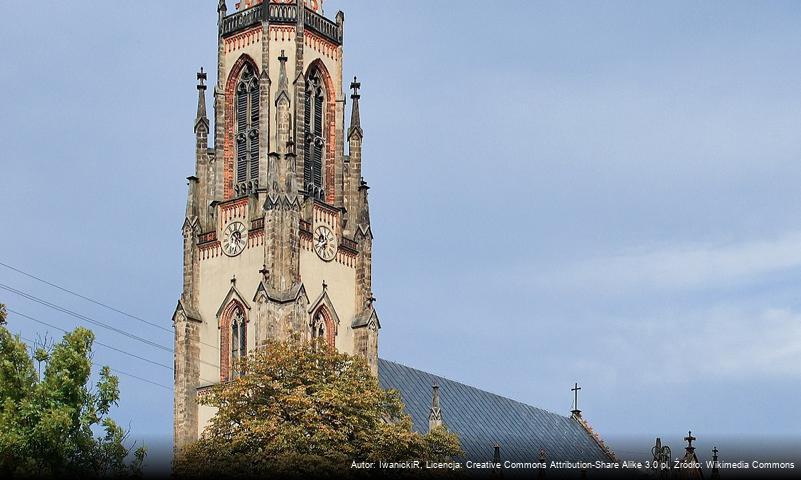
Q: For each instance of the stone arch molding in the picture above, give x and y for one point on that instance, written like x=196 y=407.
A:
x=324 y=305
x=229 y=303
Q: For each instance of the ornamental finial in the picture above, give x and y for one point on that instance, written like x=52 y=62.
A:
x=355 y=86
x=689 y=439
x=201 y=79
x=575 y=391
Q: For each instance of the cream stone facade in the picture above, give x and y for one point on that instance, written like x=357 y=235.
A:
x=277 y=239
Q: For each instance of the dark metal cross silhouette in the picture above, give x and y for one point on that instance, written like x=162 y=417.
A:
x=201 y=78
x=690 y=439
x=355 y=86
x=575 y=391
x=264 y=272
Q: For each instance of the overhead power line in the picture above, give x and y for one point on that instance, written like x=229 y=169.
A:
x=32 y=344
x=93 y=321
x=88 y=299
x=106 y=345
x=97 y=342
x=84 y=317
x=95 y=301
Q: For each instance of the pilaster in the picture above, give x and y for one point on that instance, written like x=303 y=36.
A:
x=300 y=94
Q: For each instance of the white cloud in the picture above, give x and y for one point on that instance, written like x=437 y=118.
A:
x=720 y=342
x=686 y=267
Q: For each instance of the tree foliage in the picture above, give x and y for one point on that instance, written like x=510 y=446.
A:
x=47 y=419
x=306 y=409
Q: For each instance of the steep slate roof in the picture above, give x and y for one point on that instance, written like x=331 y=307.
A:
x=483 y=419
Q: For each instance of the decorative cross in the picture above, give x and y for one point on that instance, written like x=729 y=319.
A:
x=371 y=300
x=325 y=285
x=233 y=280
x=715 y=454
x=689 y=438
x=575 y=391
x=264 y=272
x=201 y=78
x=355 y=86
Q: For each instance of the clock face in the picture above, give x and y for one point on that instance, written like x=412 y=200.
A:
x=235 y=238
x=325 y=243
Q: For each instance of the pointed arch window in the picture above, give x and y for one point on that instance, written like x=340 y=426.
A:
x=247 y=131
x=321 y=328
x=315 y=134
x=238 y=341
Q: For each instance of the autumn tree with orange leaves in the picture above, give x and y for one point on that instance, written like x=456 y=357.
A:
x=301 y=408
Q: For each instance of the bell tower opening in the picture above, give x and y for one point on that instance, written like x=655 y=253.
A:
x=315 y=133
x=247 y=130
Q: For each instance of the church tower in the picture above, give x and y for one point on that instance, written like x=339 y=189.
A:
x=277 y=239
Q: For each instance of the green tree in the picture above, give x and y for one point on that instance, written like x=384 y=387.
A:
x=306 y=409
x=47 y=420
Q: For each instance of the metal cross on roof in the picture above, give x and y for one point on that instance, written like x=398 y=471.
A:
x=689 y=438
x=264 y=272
x=371 y=300
x=575 y=391
x=325 y=285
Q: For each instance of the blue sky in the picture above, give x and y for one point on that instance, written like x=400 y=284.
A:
x=601 y=192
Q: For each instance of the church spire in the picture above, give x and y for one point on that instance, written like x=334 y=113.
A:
x=201 y=120
x=199 y=183
x=355 y=119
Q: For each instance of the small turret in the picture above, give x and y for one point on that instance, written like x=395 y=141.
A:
x=355 y=118
x=496 y=462
x=435 y=417
x=221 y=10
x=355 y=198
x=201 y=120
x=715 y=465
x=199 y=191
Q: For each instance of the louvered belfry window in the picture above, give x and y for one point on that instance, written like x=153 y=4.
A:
x=247 y=131
x=315 y=138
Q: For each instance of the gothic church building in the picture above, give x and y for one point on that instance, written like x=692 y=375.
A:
x=277 y=239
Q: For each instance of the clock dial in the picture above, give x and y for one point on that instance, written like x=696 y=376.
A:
x=235 y=238
x=325 y=243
